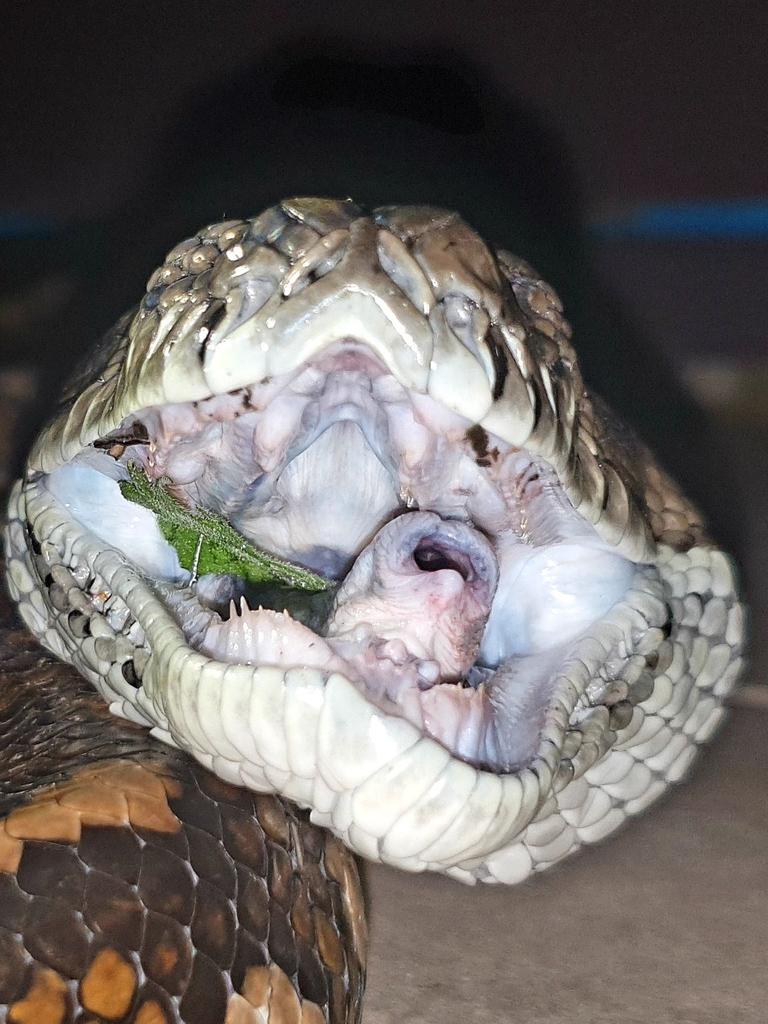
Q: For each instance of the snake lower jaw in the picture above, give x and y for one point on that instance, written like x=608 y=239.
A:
x=390 y=790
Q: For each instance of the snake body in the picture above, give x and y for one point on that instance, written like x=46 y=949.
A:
x=137 y=887
x=416 y=295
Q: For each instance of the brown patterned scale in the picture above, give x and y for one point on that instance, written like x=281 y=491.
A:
x=135 y=887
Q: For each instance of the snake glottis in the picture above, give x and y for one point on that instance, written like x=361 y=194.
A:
x=529 y=630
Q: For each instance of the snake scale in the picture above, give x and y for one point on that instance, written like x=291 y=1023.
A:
x=530 y=631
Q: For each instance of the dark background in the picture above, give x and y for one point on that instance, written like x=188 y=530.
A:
x=651 y=99
x=127 y=126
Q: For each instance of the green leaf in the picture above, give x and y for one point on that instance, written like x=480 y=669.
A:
x=206 y=543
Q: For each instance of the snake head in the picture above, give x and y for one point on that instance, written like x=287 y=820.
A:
x=525 y=632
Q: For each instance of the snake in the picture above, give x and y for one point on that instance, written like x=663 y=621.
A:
x=527 y=633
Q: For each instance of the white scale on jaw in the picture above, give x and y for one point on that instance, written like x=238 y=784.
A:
x=461 y=585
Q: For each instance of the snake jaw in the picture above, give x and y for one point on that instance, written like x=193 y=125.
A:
x=474 y=351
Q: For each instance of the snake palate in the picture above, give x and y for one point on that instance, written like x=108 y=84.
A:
x=490 y=628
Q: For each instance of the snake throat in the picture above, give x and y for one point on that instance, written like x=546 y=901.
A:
x=527 y=632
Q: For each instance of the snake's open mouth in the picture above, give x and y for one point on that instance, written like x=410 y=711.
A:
x=520 y=631
x=460 y=574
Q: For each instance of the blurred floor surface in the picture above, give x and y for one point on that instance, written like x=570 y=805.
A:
x=667 y=922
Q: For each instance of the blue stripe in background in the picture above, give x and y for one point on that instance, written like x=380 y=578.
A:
x=737 y=220
x=18 y=226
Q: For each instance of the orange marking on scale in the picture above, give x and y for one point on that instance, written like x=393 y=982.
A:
x=108 y=986
x=45 y=1001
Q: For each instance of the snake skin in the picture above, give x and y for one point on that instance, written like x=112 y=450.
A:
x=641 y=690
x=136 y=887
